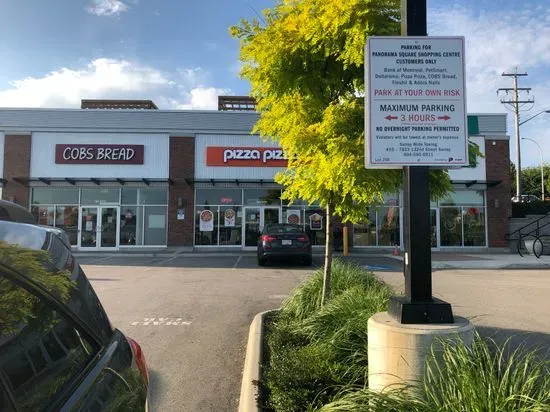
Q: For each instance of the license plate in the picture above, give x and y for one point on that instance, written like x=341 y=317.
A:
x=286 y=242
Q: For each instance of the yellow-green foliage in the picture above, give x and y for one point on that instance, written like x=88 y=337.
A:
x=305 y=65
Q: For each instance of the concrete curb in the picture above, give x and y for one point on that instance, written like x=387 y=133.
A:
x=252 y=371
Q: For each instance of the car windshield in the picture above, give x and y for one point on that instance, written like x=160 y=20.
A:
x=283 y=229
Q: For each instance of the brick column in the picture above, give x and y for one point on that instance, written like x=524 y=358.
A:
x=17 y=164
x=182 y=166
x=499 y=205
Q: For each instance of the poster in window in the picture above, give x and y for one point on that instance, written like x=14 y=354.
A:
x=89 y=226
x=229 y=217
x=316 y=222
x=293 y=217
x=206 y=221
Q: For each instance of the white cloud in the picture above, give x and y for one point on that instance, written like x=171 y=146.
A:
x=203 y=98
x=107 y=7
x=497 y=41
x=116 y=79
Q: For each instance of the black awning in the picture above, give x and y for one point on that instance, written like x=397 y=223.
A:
x=483 y=183
x=96 y=180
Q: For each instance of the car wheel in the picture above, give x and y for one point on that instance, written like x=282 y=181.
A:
x=308 y=261
x=261 y=261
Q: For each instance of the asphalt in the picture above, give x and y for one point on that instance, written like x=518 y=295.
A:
x=191 y=312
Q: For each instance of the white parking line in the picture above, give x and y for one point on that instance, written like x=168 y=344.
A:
x=237 y=262
x=161 y=322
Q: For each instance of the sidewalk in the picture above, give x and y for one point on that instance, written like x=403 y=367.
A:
x=445 y=260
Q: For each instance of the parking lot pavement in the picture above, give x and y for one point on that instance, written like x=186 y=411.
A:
x=191 y=320
x=233 y=261
x=501 y=303
x=191 y=315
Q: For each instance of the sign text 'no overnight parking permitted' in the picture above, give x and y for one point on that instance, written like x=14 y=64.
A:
x=416 y=108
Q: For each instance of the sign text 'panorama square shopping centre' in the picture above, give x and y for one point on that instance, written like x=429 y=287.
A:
x=415 y=102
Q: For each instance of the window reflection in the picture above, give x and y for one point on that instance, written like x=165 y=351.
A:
x=451 y=226
x=388 y=226
x=41 y=350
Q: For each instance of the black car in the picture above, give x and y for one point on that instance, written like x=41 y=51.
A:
x=284 y=240
x=58 y=350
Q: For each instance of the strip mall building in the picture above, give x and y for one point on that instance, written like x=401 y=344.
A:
x=122 y=174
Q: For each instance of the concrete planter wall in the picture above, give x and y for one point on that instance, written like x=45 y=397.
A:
x=250 y=399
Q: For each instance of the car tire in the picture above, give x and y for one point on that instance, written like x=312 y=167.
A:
x=261 y=261
x=308 y=261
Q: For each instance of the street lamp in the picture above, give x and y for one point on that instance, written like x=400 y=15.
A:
x=541 y=167
x=518 y=166
x=532 y=117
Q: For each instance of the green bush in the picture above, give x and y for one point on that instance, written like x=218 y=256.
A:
x=306 y=299
x=483 y=377
x=316 y=351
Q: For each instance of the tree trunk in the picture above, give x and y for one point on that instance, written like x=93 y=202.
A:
x=328 y=256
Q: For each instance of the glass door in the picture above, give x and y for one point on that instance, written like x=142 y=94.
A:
x=109 y=230
x=255 y=218
x=434 y=227
x=251 y=227
x=88 y=229
x=270 y=215
x=99 y=227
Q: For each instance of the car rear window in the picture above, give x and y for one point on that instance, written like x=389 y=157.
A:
x=274 y=229
x=41 y=351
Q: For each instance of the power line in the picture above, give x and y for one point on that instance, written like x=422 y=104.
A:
x=516 y=103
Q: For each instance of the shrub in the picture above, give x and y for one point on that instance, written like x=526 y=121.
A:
x=316 y=351
x=483 y=377
x=299 y=377
x=306 y=298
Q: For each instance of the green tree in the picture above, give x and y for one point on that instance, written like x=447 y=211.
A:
x=305 y=63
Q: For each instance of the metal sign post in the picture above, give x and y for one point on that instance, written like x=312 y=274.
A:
x=416 y=118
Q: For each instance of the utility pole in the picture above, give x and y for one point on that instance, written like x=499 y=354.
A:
x=515 y=102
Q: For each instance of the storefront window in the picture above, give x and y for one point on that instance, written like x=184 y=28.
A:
x=474 y=226
x=153 y=196
x=463 y=197
x=66 y=218
x=451 y=226
x=218 y=197
x=128 y=196
x=48 y=196
x=97 y=196
x=44 y=215
x=230 y=224
x=155 y=225
x=315 y=221
x=206 y=225
x=388 y=226
x=262 y=197
x=364 y=233
x=131 y=224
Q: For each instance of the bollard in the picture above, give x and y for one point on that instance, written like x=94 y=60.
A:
x=345 y=240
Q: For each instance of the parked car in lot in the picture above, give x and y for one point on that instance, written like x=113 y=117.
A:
x=58 y=350
x=525 y=199
x=284 y=240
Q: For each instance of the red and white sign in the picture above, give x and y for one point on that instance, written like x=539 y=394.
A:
x=99 y=154
x=415 y=108
x=245 y=156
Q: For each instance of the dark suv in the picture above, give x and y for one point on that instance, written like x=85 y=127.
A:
x=58 y=350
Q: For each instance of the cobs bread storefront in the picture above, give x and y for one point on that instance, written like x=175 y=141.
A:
x=116 y=178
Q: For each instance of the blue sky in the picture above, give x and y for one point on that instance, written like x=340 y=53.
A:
x=179 y=53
